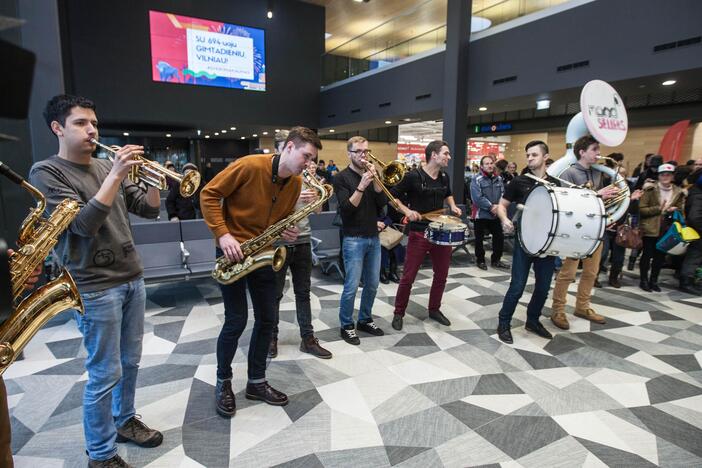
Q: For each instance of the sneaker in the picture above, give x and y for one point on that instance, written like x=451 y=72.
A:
x=482 y=265
x=500 y=264
x=114 y=462
x=310 y=345
x=370 y=327
x=348 y=333
x=136 y=431
x=505 y=334
x=224 y=399
x=273 y=349
x=559 y=319
x=538 y=329
x=264 y=392
x=397 y=322
x=439 y=317
x=591 y=315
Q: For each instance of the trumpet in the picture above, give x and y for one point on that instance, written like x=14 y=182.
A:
x=154 y=174
x=392 y=174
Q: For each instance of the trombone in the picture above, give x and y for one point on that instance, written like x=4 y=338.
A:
x=391 y=175
x=154 y=174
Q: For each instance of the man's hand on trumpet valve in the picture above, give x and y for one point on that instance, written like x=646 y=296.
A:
x=124 y=160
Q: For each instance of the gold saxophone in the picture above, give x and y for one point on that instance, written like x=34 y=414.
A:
x=257 y=251
x=36 y=238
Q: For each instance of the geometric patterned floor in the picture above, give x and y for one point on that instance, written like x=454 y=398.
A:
x=628 y=393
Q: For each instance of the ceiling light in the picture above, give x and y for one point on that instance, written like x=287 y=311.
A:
x=407 y=119
x=255 y=135
x=198 y=132
x=269 y=14
x=168 y=135
x=331 y=130
x=126 y=134
x=358 y=1
x=232 y=128
x=207 y=136
x=223 y=131
x=277 y=129
x=482 y=109
x=478 y=23
x=327 y=35
x=669 y=83
x=243 y=138
x=216 y=133
x=543 y=104
x=264 y=133
x=388 y=122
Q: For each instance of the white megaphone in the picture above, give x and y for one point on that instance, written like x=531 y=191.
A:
x=602 y=115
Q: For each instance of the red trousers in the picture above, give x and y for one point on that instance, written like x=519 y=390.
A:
x=417 y=248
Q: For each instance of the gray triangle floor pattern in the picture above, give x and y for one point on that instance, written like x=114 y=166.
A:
x=627 y=393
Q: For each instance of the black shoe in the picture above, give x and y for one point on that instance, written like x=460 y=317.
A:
x=654 y=287
x=224 y=399
x=397 y=322
x=500 y=264
x=482 y=265
x=264 y=392
x=439 y=317
x=393 y=275
x=687 y=285
x=273 y=349
x=348 y=333
x=603 y=269
x=597 y=283
x=631 y=264
x=370 y=327
x=384 y=276
x=114 y=462
x=643 y=284
x=139 y=433
x=538 y=329
x=310 y=345
x=504 y=334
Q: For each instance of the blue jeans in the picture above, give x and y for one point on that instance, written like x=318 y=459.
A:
x=361 y=256
x=112 y=328
x=521 y=264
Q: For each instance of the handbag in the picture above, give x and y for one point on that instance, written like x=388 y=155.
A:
x=673 y=242
x=390 y=238
x=629 y=237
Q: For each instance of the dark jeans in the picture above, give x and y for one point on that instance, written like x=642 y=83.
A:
x=299 y=259
x=521 y=264
x=261 y=284
x=692 y=261
x=498 y=239
x=651 y=258
x=397 y=253
x=612 y=250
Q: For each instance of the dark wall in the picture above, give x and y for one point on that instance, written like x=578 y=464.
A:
x=616 y=37
x=108 y=58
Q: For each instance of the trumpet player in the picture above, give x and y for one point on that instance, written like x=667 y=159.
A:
x=361 y=200
x=99 y=252
x=256 y=192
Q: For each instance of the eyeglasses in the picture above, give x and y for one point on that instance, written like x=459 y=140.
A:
x=363 y=152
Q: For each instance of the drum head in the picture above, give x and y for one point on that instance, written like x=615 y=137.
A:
x=536 y=223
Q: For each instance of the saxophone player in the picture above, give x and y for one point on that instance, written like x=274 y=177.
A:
x=239 y=203
x=98 y=250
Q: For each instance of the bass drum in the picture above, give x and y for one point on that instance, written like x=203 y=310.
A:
x=563 y=222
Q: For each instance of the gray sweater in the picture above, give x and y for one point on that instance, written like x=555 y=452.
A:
x=577 y=174
x=97 y=248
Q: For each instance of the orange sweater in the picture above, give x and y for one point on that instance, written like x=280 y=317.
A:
x=243 y=200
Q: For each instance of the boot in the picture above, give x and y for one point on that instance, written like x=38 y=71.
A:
x=653 y=284
x=614 y=273
x=384 y=276
x=687 y=285
x=310 y=345
x=392 y=274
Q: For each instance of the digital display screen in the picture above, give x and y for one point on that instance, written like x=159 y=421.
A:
x=202 y=52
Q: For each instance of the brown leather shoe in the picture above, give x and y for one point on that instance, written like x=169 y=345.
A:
x=114 y=462
x=591 y=315
x=310 y=345
x=559 y=319
x=139 y=433
x=264 y=392
x=273 y=349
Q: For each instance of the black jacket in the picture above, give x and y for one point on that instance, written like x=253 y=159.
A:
x=693 y=208
x=183 y=208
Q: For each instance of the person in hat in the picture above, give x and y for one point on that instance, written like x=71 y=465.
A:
x=180 y=207
x=659 y=201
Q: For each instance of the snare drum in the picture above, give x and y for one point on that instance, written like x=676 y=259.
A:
x=446 y=233
x=560 y=221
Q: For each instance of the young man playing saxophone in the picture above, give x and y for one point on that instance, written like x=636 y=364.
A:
x=239 y=203
x=99 y=252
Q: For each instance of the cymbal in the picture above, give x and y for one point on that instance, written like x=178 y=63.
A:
x=442 y=218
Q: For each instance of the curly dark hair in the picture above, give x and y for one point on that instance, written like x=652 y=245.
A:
x=59 y=107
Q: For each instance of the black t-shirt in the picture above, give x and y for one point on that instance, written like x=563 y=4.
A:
x=518 y=190
x=421 y=193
